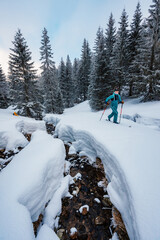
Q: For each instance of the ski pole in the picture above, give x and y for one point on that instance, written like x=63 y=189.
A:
x=103 y=113
x=120 y=113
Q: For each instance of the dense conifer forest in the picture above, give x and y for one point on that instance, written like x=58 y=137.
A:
x=127 y=58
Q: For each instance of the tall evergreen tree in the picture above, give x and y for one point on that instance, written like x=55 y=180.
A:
x=52 y=94
x=62 y=77
x=134 y=44
x=140 y=64
x=77 y=85
x=68 y=96
x=23 y=79
x=120 y=60
x=92 y=85
x=84 y=70
x=98 y=83
x=153 y=90
x=110 y=37
x=3 y=90
x=110 y=41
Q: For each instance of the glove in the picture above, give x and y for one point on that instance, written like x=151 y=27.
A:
x=122 y=102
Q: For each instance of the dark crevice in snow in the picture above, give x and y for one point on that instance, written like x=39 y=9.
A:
x=101 y=220
x=37 y=224
x=50 y=128
x=7 y=156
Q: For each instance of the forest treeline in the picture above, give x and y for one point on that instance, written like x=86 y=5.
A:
x=127 y=58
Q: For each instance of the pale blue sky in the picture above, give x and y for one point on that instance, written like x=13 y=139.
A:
x=68 y=22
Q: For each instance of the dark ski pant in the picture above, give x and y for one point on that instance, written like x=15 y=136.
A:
x=113 y=114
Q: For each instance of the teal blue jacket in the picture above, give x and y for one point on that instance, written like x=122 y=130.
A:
x=115 y=99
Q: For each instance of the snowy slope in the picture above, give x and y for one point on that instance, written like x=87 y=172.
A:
x=130 y=154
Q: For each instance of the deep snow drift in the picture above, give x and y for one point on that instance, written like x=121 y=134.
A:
x=129 y=151
x=32 y=177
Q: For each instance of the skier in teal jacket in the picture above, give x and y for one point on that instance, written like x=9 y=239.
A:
x=115 y=99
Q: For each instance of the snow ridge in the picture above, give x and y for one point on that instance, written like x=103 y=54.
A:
x=118 y=190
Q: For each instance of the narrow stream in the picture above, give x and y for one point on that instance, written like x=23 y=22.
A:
x=89 y=214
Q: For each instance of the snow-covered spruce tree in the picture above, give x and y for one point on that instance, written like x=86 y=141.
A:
x=4 y=90
x=23 y=79
x=135 y=39
x=40 y=95
x=62 y=76
x=76 y=82
x=110 y=38
x=68 y=85
x=92 y=80
x=98 y=78
x=84 y=70
x=120 y=61
x=140 y=63
x=153 y=88
x=52 y=93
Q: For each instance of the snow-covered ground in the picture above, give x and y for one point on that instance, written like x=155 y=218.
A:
x=129 y=151
x=130 y=154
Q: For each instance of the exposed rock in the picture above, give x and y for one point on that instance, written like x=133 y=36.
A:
x=7 y=156
x=99 y=164
x=106 y=202
x=73 y=233
x=119 y=225
x=97 y=200
x=2 y=155
x=28 y=136
x=37 y=223
x=99 y=220
x=88 y=191
x=60 y=233
x=94 y=221
x=75 y=191
x=84 y=210
x=50 y=128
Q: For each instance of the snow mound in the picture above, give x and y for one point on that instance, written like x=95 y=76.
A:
x=49 y=118
x=82 y=207
x=28 y=183
x=30 y=126
x=12 y=129
x=11 y=140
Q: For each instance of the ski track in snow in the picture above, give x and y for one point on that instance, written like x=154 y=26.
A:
x=150 y=122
